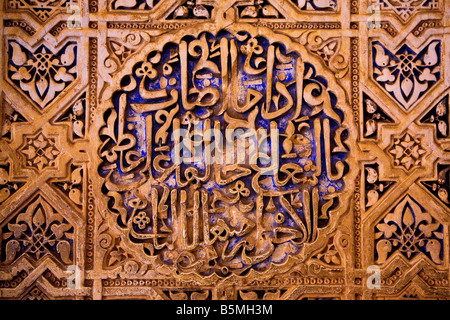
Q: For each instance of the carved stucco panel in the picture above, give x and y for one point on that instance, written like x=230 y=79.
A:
x=92 y=95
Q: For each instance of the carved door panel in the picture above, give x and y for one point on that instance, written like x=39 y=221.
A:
x=237 y=149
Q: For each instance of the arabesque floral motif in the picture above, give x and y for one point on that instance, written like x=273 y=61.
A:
x=405 y=9
x=40 y=152
x=405 y=74
x=43 y=9
x=37 y=232
x=411 y=230
x=42 y=74
x=407 y=151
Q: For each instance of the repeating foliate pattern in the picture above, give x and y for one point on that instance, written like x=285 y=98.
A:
x=237 y=149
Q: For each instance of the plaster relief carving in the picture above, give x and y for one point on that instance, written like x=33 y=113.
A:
x=229 y=150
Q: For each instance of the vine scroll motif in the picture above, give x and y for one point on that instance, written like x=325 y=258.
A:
x=217 y=217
